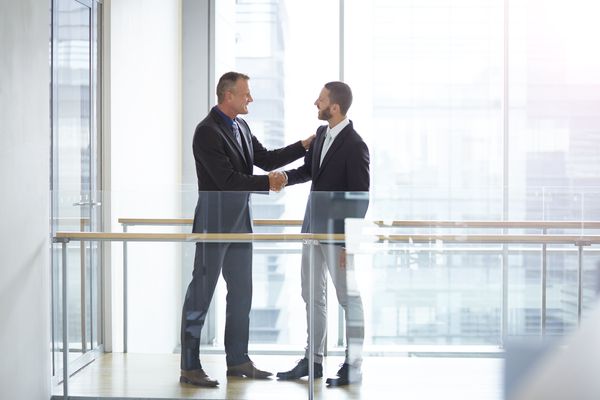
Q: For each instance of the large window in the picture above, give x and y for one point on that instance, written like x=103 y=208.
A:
x=553 y=142
x=554 y=82
x=430 y=82
x=427 y=77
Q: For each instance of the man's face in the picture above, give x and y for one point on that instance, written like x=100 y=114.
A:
x=324 y=105
x=240 y=97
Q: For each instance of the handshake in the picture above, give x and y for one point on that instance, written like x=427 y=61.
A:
x=277 y=180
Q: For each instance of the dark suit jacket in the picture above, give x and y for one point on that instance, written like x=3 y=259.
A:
x=340 y=185
x=224 y=172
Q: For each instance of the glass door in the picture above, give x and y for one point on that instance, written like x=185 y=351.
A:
x=75 y=179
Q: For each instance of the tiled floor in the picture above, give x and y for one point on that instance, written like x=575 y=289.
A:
x=156 y=376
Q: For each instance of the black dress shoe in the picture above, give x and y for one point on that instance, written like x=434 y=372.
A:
x=300 y=371
x=345 y=376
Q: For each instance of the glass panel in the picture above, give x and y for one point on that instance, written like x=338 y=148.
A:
x=422 y=293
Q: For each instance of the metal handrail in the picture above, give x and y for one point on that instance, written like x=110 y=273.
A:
x=189 y=221
x=395 y=223
x=578 y=240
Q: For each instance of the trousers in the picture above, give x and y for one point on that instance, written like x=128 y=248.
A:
x=326 y=258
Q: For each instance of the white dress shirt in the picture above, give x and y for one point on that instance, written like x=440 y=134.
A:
x=330 y=136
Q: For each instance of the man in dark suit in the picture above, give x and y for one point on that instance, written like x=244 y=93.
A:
x=337 y=162
x=225 y=152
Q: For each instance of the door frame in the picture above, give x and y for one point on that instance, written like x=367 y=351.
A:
x=92 y=332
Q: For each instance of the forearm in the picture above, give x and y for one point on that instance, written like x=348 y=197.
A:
x=269 y=160
x=298 y=175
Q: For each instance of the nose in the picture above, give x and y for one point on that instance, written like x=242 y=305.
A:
x=250 y=99
x=315 y=103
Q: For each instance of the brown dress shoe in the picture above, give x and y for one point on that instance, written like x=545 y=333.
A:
x=197 y=377
x=248 y=370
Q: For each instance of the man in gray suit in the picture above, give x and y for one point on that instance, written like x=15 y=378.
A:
x=337 y=162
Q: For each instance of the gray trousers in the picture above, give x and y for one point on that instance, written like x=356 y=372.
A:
x=326 y=257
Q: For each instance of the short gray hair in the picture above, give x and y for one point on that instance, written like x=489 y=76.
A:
x=228 y=81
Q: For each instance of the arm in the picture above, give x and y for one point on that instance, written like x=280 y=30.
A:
x=209 y=150
x=304 y=172
x=269 y=160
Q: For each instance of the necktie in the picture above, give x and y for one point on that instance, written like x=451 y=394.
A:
x=236 y=133
x=326 y=144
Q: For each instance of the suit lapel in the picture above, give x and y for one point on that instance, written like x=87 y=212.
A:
x=226 y=132
x=335 y=146
x=247 y=151
x=318 y=149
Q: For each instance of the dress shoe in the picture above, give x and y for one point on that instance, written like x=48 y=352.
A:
x=197 y=377
x=346 y=375
x=300 y=371
x=248 y=370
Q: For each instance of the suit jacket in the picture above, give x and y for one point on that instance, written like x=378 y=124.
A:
x=224 y=172
x=340 y=185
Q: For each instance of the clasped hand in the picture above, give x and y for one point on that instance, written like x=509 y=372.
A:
x=277 y=180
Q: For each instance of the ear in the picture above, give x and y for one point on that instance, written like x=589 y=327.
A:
x=336 y=108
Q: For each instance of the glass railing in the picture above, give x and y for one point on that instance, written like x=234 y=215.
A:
x=445 y=286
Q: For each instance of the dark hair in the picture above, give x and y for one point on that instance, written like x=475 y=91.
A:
x=226 y=82
x=340 y=94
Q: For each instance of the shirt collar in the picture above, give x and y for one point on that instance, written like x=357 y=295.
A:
x=338 y=128
x=225 y=117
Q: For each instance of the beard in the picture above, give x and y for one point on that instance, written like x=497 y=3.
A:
x=324 y=114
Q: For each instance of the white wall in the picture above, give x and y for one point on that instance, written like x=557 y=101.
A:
x=24 y=200
x=145 y=163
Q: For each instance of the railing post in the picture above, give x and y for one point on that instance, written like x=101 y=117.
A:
x=579 y=282
x=124 y=291
x=544 y=284
x=311 y=326
x=580 y=243
x=83 y=279
x=65 y=320
x=504 y=311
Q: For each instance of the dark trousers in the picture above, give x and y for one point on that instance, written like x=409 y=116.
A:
x=235 y=260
